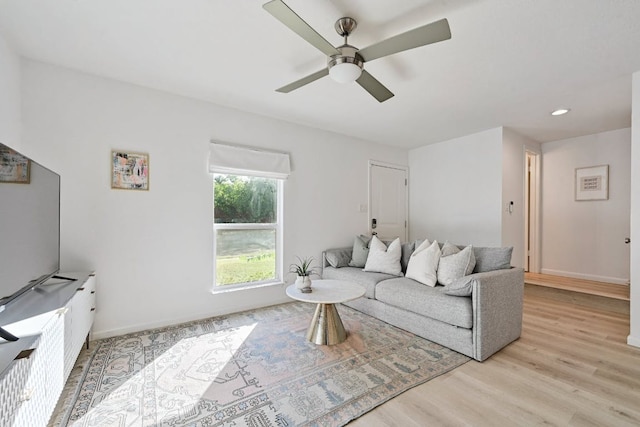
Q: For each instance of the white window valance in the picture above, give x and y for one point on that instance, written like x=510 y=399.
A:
x=236 y=160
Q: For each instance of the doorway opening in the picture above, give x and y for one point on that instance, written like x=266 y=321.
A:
x=532 y=212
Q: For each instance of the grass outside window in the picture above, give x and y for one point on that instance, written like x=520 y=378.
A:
x=245 y=269
x=247 y=226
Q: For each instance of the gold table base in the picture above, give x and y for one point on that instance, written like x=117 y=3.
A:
x=326 y=327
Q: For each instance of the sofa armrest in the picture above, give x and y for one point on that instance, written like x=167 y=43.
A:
x=497 y=310
x=325 y=263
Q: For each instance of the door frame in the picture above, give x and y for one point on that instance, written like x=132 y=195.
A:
x=532 y=184
x=378 y=163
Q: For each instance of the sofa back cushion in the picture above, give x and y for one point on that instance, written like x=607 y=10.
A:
x=407 y=251
x=339 y=257
x=490 y=259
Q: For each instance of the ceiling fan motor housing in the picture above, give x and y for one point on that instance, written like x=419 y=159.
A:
x=347 y=66
x=345 y=26
x=348 y=55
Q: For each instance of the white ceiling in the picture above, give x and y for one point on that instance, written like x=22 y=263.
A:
x=509 y=62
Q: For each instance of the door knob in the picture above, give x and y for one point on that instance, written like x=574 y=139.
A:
x=627 y=240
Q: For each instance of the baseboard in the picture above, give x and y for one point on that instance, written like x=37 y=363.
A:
x=616 y=280
x=634 y=341
x=97 y=335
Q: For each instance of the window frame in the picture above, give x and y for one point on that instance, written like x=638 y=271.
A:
x=278 y=226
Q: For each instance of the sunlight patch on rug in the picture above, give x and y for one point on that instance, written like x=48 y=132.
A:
x=252 y=369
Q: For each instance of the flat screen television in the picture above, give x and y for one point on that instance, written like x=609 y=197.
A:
x=29 y=226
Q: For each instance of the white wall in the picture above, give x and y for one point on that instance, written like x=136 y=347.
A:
x=586 y=239
x=634 y=335
x=513 y=182
x=460 y=190
x=10 y=124
x=153 y=250
x=455 y=190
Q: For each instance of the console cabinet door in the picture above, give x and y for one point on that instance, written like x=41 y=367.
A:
x=15 y=389
x=79 y=321
x=45 y=379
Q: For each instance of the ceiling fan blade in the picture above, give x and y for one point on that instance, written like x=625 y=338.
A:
x=288 y=17
x=421 y=36
x=374 y=87
x=303 y=81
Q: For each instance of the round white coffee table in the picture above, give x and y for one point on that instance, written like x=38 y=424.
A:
x=326 y=327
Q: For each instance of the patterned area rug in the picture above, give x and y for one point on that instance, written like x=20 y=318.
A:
x=251 y=369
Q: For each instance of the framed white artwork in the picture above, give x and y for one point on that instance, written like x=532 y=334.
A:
x=592 y=183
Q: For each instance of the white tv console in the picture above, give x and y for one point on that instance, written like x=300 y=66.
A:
x=53 y=323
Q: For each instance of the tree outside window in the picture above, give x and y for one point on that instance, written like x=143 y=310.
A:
x=246 y=228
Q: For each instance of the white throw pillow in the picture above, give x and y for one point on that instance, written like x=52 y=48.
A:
x=459 y=264
x=423 y=264
x=383 y=259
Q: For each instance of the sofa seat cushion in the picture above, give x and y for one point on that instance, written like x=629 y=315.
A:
x=431 y=302
x=353 y=274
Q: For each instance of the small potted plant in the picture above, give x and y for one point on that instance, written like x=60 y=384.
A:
x=303 y=270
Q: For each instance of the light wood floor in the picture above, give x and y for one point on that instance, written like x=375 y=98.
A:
x=570 y=367
x=609 y=290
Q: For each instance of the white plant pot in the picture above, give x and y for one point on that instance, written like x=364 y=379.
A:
x=303 y=283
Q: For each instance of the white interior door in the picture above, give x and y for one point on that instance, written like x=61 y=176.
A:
x=388 y=201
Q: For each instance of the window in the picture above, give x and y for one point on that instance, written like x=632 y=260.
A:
x=246 y=230
x=247 y=215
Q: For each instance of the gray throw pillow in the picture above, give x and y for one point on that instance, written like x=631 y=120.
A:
x=360 y=251
x=461 y=287
x=489 y=259
x=338 y=257
x=449 y=249
x=455 y=263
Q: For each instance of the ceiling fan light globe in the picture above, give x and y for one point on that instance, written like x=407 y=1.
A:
x=345 y=72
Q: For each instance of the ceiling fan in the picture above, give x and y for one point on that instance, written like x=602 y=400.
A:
x=346 y=63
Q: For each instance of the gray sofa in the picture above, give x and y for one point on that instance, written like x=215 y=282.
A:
x=476 y=325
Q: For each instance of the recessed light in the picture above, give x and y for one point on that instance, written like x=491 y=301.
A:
x=560 y=111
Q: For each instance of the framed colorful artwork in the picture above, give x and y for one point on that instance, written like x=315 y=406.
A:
x=14 y=167
x=129 y=171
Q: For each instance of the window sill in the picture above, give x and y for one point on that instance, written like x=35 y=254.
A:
x=224 y=290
